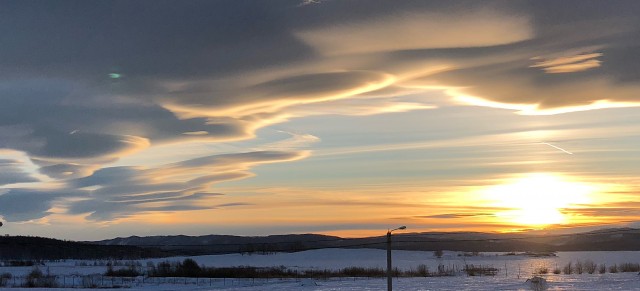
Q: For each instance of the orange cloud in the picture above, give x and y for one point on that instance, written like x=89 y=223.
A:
x=569 y=64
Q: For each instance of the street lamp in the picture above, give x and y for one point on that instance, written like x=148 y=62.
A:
x=389 y=277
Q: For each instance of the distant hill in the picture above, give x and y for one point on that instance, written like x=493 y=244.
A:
x=621 y=239
x=219 y=244
x=40 y=248
x=134 y=247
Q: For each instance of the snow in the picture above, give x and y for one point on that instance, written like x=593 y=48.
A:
x=626 y=281
x=518 y=269
x=342 y=258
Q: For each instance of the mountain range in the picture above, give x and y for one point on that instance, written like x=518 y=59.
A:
x=135 y=247
x=615 y=239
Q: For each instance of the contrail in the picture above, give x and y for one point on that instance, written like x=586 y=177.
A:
x=557 y=147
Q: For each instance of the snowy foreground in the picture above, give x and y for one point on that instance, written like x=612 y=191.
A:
x=513 y=271
x=573 y=282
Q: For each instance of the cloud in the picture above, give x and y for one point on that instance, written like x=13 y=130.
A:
x=309 y=2
x=118 y=192
x=295 y=141
x=11 y=172
x=622 y=208
x=81 y=146
x=28 y=204
x=208 y=90
x=106 y=210
x=569 y=64
x=277 y=94
x=216 y=72
x=456 y=215
x=356 y=107
x=64 y=170
x=419 y=30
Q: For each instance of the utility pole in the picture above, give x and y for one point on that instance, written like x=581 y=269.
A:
x=389 y=275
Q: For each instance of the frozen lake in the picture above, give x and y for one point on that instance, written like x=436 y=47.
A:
x=512 y=271
x=343 y=258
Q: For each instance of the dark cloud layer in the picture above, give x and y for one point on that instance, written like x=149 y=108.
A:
x=116 y=192
x=125 y=191
x=25 y=204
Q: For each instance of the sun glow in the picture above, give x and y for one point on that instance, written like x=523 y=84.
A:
x=537 y=200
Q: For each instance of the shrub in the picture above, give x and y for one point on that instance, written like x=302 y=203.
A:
x=366 y=272
x=189 y=268
x=579 y=267
x=542 y=270
x=445 y=271
x=4 y=279
x=130 y=271
x=164 y=269
x=91 y=282
x=33 y=278
x=37 y=279
x=557 y=271
x=567 y=269
x=423 y=270
x=613 y=269
x=629 y=267
x=472 y=270
x=602 y=268
x=590 y=266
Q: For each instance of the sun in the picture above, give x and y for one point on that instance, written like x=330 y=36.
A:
x=536 y=199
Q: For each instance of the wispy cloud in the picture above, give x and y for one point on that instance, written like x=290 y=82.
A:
x=420 y=30
x=12 y=172
x=457 y=215
x=117 y=192
x=295 y=141
x=569 y=64
x=309 y=2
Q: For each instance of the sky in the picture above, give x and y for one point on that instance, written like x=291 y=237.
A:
x=339 y=117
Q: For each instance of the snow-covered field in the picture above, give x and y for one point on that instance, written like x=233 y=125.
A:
x=342 y=258
x=513 y=271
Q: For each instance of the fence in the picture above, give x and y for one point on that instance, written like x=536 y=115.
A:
x=100 y=281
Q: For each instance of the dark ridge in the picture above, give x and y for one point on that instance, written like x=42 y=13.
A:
x=134 y=247
x=40 y=248
x=619 y=239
